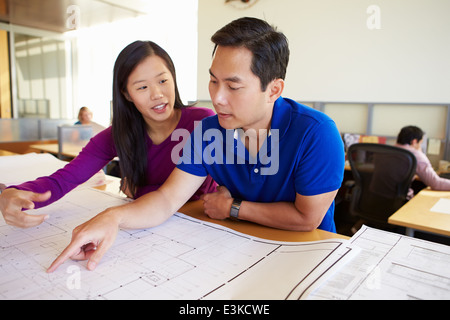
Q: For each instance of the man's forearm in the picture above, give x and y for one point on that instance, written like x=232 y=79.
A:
x=280 y=215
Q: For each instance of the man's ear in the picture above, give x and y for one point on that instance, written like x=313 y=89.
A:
x=414 y=142
x=275 y=89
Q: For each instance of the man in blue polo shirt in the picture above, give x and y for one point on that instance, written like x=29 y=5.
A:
x=290 y=178
x=300 y=158
x=278 y=163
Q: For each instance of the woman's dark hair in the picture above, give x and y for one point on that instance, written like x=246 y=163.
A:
x=408 y=134
x=270 y=48
x=129 y=129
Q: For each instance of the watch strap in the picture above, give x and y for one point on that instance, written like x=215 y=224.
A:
x=235 y=206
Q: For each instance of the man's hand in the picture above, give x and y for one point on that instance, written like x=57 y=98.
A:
x=93 y=238
x=13 y=202
x=217 y=205
x=90 y=241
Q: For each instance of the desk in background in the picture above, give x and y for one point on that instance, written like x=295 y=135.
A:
x=68 y=152
x=71 y=140
x=416 y=214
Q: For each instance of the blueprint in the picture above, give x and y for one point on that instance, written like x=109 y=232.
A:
x=183 y=258
x=391 y=266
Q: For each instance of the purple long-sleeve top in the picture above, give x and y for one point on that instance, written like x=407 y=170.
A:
x=101 y=150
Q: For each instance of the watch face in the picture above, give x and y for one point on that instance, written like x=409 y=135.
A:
x=235 y=206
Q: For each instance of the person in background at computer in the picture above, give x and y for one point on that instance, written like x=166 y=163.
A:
x=411 y=138
x=85 y=116
x=147 y=108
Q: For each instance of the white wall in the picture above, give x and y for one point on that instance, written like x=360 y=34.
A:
x=97 y=49
x=336 y=57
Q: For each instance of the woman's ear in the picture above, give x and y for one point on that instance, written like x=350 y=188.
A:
x=127 y=96
x=275 y=89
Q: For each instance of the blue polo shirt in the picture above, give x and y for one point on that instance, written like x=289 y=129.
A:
x=303 y=154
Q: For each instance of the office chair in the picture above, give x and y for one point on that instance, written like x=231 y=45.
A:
x=383 y=175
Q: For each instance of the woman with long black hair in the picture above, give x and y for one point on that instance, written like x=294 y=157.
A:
x=147 y=108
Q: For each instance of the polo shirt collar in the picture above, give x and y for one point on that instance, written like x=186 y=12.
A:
x=236 y=133
x=281 y=118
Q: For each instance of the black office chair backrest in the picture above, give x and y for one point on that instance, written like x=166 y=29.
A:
x=382 y=175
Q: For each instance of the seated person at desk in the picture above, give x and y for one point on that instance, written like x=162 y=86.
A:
x=286 y=171
x=85 y=118
x=147 y=109
x=410 y=138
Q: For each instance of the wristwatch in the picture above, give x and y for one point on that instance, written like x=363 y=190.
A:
x=235 y=206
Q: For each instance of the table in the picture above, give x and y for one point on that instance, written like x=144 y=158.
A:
x=69 y=151
x=195 y=210
x=416 y=214
x=7 y=153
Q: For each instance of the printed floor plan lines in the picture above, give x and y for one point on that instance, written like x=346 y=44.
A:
x=183 y=258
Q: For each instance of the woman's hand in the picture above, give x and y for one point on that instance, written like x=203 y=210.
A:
x=13 y=202
x=90 y=240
